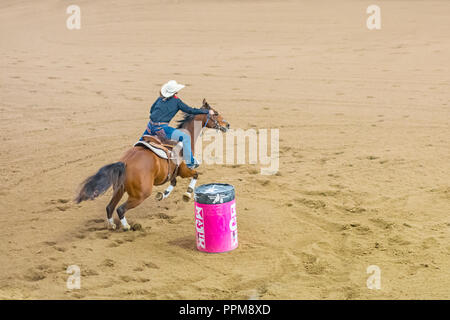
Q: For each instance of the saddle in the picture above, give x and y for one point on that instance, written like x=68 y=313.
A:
x=157 y=140
x=163 y=148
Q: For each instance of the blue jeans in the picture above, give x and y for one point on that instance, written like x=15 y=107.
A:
x=176 y=135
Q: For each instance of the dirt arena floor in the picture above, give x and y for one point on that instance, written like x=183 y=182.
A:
x=364 y=130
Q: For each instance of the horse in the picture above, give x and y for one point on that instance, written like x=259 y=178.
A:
x=139 y=169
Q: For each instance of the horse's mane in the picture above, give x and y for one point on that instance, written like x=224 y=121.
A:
x=190 y=117
x=186 y=119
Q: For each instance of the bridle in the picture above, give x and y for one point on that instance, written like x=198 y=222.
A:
x=217 y=126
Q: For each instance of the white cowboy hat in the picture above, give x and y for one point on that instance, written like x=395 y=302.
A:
x=170 y=88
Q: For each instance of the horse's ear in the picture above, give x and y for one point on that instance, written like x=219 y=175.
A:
x=204 y=102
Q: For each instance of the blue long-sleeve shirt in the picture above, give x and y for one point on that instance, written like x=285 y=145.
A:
x=164 y=110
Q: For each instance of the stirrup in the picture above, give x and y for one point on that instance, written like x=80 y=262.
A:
x=193 y=165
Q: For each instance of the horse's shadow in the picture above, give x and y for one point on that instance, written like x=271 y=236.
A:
x=187 y=243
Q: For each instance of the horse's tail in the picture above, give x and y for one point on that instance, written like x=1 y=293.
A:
x=94 y=186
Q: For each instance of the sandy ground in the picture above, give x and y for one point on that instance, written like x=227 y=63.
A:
x=364 y=147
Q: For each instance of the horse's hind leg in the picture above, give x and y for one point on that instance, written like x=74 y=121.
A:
x=138 y=185
x=118 y=194
x=129 y=204
x=185 y=172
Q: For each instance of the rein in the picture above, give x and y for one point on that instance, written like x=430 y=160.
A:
x=201 y=132
x=207 y=119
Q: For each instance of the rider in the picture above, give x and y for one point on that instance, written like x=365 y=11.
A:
x=163 y=110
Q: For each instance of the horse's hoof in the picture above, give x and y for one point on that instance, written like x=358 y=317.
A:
x=159 y=196
x=110 y=225
x=126 y=227
x=187 y=196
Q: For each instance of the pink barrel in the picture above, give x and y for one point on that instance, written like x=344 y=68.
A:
x=215 y=217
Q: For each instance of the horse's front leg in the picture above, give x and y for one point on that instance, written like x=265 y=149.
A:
x=185 y=172
x=188 y=194
x=162 y=195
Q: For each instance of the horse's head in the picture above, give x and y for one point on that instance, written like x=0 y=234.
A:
x=216 y=121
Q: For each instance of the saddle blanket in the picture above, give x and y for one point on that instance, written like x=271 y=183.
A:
x=159 y=152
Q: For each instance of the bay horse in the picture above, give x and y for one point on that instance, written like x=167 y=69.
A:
x=139 y=169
